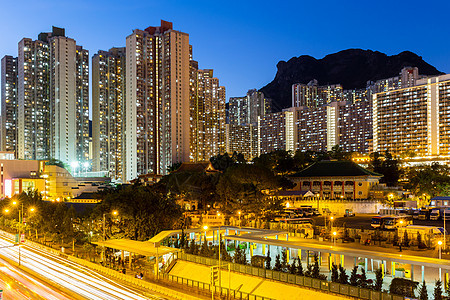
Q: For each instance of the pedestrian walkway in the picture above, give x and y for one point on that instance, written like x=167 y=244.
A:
x=249 y=284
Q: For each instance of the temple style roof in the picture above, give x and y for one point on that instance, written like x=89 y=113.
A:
x=334 y=168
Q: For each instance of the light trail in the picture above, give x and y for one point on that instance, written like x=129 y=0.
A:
x=76 y=278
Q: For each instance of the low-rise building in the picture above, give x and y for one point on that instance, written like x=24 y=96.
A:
x=52 y=181
x=339 y=180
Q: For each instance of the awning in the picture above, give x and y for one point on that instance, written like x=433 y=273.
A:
x=146 y=248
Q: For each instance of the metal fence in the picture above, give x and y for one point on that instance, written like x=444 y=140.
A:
x=317 y=284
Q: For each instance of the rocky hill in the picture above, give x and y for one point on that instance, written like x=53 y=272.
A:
x=352 y=68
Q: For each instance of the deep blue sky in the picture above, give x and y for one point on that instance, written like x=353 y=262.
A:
x=243 y=40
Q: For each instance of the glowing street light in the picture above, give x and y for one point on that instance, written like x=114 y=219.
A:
x=440 y=246
x=115 y=213
x=6 y=210
x=334 y=237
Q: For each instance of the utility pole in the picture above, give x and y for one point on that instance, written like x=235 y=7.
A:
x=104 y=239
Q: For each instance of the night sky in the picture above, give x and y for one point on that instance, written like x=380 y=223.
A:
x=243 y=40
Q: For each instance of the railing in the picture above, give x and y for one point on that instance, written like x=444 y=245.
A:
x=302 y=281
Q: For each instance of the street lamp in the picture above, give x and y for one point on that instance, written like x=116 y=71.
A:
x=239 y=213
x=331 y=222
x=440 y=244
x=115 y=213
x=334 y=238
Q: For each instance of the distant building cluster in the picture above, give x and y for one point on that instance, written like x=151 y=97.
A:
x=151 y=104
x=406 y=115
x=152 y=107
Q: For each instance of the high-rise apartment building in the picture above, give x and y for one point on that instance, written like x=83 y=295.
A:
x=242 y=139
x=243 y=117
x=8 y=131
x=208 y=120
x=53 y=98
x=238 y=110
x=355 y=126
x=276 y=131
x=82 y=104
x=414 y=118
x=33 y=84
x=311 y=126
x=247 y=109
x=156 y=112
x=108 y=83
x=312 y=95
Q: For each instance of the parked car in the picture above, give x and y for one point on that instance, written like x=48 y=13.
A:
x=349 y=213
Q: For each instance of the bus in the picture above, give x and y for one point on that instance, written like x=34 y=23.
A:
x=376 y=221
x=392 y=222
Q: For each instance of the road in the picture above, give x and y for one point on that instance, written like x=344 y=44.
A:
x=16 y=284
x=78 y=279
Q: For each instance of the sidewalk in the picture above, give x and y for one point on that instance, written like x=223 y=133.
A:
x=249 y=284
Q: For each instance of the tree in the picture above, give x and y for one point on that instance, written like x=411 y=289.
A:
x=204 y=249
x=222 y=162
x=354 y=276
x=268 y=260
x=403 y=287
x=292 y=268
x=405 y=239
x=419 y=240
x=144 y=211
x=56 y=162
x=299 y=267
x=386 y=165
x=362 y=282
x=423 y=293
x=334 y=273
x=343 y=277
x=239 y=256
x=378 y=280
x=316 y=267
x=309 y=270
x=284 y=263
x=429 y=180
x=437 y=290
x=278 y=266
x=395 y=239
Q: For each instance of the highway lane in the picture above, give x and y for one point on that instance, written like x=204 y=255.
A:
x=17 y=284
x=76 y=278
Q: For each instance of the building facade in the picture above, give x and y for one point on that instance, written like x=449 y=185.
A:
x=208 y=117
x=276 y=131
x=312 y=95
x=336 y=180
x=53 y=98
x=355 y=127
x=242 y=139
x=108 y=84
x=157 y=113
x=414 y=118
x=8 y=134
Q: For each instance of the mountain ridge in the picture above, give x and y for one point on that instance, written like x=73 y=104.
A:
x=351 y=67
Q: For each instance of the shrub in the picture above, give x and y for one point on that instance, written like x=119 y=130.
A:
x=403 y=287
